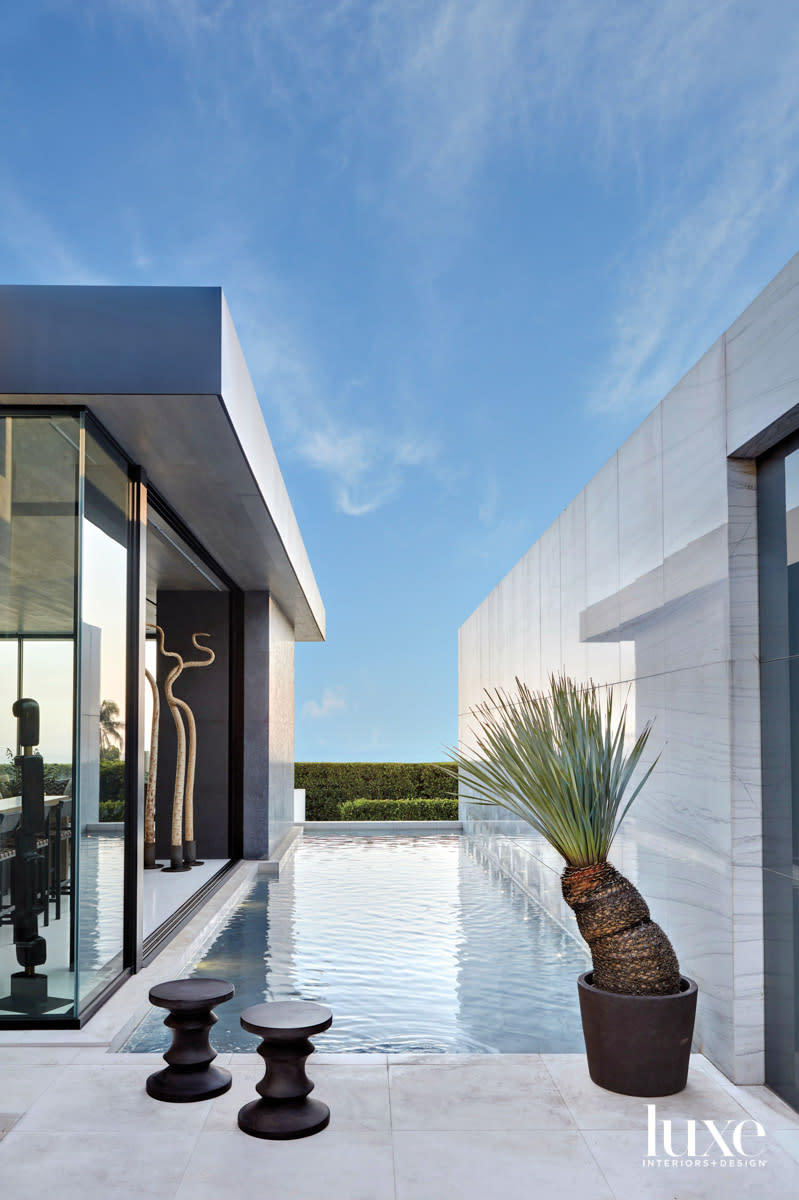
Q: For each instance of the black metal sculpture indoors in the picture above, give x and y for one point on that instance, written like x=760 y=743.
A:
x=29 y=887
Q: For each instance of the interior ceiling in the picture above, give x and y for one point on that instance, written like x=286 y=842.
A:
x=172 y=567
x=192 y=456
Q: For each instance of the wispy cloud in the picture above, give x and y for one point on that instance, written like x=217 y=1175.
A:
x=331 y=702
x=694 y=265
x=366 y=468
x=424 y=98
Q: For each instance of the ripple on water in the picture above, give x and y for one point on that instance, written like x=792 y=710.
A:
x=417 y=944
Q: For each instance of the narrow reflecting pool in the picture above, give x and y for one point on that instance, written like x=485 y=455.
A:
x=417 y=944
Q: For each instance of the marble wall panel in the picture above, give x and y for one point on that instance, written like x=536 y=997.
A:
x=697 y=725
x=640 y=481
x=513 y=664
x=695 y=628
x=762 y=361
x=469 y=662
x=530 y=572
x=748 y=973
x=551 y=650
x=493 y=645
x=602 y=572
x=573 y=592
x=602 y=533
x=745 y=763
x=743 y=558
x=694 y=454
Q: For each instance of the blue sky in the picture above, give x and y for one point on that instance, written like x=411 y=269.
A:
x=467 y=246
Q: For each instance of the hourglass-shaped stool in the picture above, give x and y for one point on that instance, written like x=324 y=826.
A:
x=190 y=1075
x=285 y=1110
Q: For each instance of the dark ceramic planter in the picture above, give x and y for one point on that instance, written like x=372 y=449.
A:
x=638 y=1045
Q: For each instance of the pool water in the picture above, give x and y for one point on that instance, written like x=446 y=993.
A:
x=417 y=944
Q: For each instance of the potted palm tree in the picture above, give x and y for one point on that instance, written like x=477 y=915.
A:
x=557 y=760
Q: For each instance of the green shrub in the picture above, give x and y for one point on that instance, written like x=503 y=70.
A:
x=57 y=778
x=58 y=782
x=112 y=784
x=408 y=808
x=112 y=810
x=322 y=810
x=329 y=785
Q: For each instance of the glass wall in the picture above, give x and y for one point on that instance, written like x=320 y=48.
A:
x=39 y=554
x=778 y=535
x=103 y=681
x=65 y=629
x=63 y=644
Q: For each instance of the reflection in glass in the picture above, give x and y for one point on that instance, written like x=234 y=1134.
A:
x=792 y=547
x=791 y=914
x=103 y=649
x=9 y=665
x=39 y=463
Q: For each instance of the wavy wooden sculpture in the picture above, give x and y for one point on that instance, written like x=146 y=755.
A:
x=176 y=862
x=190 y=844
x=152 y=779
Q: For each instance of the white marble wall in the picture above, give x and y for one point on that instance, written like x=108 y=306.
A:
x=281 y=727
x=648 y=582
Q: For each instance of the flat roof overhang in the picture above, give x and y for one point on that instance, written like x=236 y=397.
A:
x=163 y=371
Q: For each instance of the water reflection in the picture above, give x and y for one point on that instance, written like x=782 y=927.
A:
x=417 y=944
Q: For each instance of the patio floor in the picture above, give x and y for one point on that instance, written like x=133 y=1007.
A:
x=78 y=1122
x=75 y=1121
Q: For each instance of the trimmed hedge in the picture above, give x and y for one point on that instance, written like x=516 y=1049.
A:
x=329 y=785
x=409 y=808
x=112 y=810
x=112 y=785
x=58 y=777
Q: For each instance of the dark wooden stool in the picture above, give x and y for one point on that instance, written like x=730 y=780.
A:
x=284 y=1110
x=190 y=1075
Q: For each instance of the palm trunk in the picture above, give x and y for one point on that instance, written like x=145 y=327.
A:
x=631 y=954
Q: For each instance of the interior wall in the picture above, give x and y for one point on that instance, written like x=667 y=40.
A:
x=206 y=691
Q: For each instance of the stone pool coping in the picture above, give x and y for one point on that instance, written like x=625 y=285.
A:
x=382 y=826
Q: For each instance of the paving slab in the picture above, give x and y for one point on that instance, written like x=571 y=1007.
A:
x=109 y=1100
x=136 y=1164
x=349 y=1165
x=621 y=1156
x=503 y=1092
x=494 y=1165
x=594 y=1107
x=357 y=1098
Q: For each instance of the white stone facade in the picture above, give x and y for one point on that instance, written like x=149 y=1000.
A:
x=648 y=582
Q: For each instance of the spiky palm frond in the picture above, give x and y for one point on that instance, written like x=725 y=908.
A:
x=556 y=760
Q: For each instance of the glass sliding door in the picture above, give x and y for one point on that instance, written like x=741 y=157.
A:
x=103 y=681
x=39 y=556
x=64 y=533
x=778 y=552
